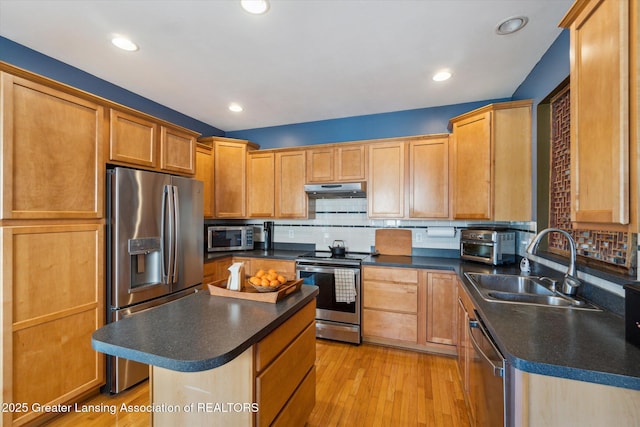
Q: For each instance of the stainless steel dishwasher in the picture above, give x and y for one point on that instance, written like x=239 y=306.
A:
x=488 y=378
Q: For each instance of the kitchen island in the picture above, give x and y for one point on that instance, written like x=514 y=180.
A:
x=223 y=360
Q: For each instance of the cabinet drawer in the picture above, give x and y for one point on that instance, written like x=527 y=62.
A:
x=396 y=326
x=297 y=410
x=402 y=275
x=278 y=382
x=274 y=343
x=390 y=296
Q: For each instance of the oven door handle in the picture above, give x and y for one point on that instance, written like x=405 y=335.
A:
x=479 y=243
x=498 y=371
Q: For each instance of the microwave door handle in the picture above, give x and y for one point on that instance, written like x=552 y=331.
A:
x=176 y=233
x=498 y=371
x=164 y=262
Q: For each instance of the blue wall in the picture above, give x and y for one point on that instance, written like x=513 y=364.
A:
x=31 y=60
x=386 y=125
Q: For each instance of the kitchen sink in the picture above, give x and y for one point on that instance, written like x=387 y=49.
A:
x=530 y=290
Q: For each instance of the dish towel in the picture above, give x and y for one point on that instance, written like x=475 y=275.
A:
x=345 y=285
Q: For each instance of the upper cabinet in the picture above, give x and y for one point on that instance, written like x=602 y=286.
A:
x=336 y=163
x=204 y=173
x=141 y=141
x=291 y=199
x=52 y=152
x=386 y=186
x=229 y=175
x=491 y=167
x=604 y=111
x=261 y=184
x=429 y=177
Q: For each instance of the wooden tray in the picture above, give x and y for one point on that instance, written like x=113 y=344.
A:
x=249 y=292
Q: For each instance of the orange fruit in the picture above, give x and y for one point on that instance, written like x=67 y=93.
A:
x=255 y=281
x=274 y=283
x=282 y=280
x=272 y=271
x=260 y=273
x=264 y=282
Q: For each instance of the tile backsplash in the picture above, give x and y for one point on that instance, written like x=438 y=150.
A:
x=346 y=219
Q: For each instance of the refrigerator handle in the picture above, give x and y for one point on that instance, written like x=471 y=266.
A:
x=166 y=248
x=176 y=235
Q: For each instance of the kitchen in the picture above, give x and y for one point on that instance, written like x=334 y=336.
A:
x=320 y=232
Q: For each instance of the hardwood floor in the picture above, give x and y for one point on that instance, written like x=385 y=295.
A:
x=356 y=385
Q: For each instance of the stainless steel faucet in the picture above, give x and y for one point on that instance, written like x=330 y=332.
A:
x=570 y=283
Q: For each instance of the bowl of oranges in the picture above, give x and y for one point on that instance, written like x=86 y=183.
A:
x=267 y=281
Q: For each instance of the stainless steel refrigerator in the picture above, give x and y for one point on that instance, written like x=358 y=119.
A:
x=154 y=250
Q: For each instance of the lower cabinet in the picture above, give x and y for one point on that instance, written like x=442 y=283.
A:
x=464 y=349
x=216 y=270
x=409 y=308
x=53 y=300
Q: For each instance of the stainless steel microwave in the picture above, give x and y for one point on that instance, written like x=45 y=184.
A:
x=229 y=238
x=488 y=246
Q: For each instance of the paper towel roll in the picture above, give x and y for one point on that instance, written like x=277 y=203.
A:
x=441 y=232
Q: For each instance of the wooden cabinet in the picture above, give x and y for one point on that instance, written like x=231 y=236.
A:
x=204 y=173
x=229 y=175
x=291 y=199
x=253 y=265
x=491 y=165
x=261 y=184
x=53 y=289
x=276 y=377
x=285 y=371
x=429 y=177
x=442 y=308
x=604 y=111
x=465 y=350
x=139 y=140
x=390 y=304
x=386 y=192
x=216 y=270
x=52 y=158
x=337 y=163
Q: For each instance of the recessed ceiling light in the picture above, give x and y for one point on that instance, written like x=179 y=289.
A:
x=124 y=44
x=256 y=7
x=511 y=25
x=235 y=107
x=441 y=76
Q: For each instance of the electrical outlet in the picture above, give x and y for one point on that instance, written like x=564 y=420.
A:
x=291 y=234
x=419 y=237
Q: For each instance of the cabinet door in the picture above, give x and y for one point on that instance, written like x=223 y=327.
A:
x=320 y=165
x=600 y=113
x=386 y=180
x=204 y=173
x=260 y=185
x=442 y=308
x=230 y=179
x=472 y=168
x=53 y=275
x=52 y=153
x=291 y=200
x=351 y=163
x=429 y=178
x=133 y=140
x=177 y=151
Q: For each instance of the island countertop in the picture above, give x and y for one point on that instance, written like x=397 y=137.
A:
x=198 y=332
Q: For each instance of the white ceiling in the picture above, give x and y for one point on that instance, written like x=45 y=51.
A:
x=305 y=60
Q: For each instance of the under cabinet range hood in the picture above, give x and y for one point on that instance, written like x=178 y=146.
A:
x=340 y=190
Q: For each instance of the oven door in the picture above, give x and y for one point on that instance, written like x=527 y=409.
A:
x=478 y=251
x=326 y=306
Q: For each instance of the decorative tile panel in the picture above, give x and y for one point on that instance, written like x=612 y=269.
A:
x=610 y=247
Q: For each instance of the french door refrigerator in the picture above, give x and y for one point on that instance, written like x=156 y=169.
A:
x=155 y=248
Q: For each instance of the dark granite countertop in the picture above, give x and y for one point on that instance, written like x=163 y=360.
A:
x=198 y=332
x=257 y=253
x=576 y=344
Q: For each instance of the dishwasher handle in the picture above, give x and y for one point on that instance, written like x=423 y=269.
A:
x=498 y=371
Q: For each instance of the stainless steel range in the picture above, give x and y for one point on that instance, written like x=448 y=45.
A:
x=338 y=301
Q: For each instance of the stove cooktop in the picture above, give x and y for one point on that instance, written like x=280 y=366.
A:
x=326 y=255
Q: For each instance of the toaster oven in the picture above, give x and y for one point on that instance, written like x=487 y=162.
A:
x=488 y=246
